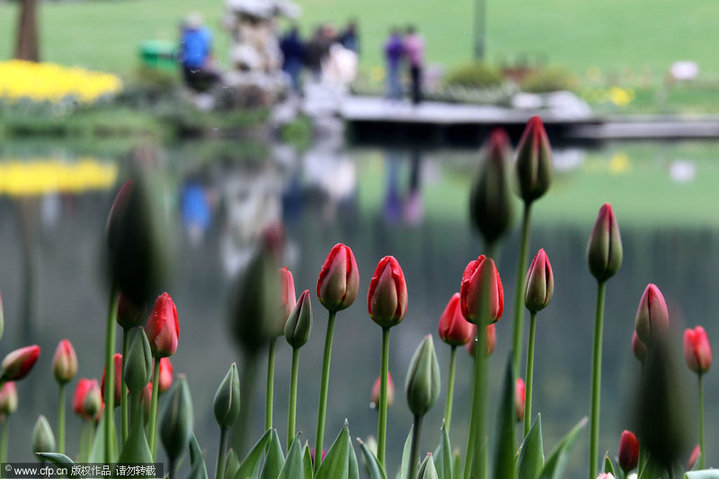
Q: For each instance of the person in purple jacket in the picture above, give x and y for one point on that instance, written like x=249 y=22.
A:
x=394 y=53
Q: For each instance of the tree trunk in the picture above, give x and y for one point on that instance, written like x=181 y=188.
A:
x=27 y=37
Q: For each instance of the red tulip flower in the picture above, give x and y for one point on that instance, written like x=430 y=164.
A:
x=17 y=364
x=387 y=296
x=471 y=289
x=697 y=350
x=87 y=400
x=166 y=375
x=652 y=314
x=604 y=251
x=8 y=399
x=288 y=297
x=534 y=161
x=491 y=341
x=338 y=282
x=628 y=451
x=539 y=285
x=117 y=362
x=64 y=363
x=693 y=457
x=519 y=399
x=162 y=327
x=374 y=397
x=453 y=328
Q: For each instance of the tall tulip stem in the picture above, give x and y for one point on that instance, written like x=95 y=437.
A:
x=414 y=452
x=152 y=434
x=292 y=409
x=596 y=380
x=109 y=393
x=123 y=388
x=247 y=393
x=61 y=420
x=269 y=396
x=518 y=326
x=220 y=473
x=450 y=388
x=322 y=409
x=382 y=422
x=530 y=374
x=702 y=456
x=4 y=439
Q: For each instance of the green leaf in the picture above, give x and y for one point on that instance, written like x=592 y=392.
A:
x=197 y=461
x=531 y=456
x=354 y=467
x=427 y=469
x=336 y=464
x=136 y=449
x=443 y=455
x=404 y=465
x=97 y=451
x=504 y=447
x=294 y=467
x=703 y=474
x=232 y=464
x=651 y=470
x=608 y=466
x=374 y=469
x=307 y=462
x=274 y=460
x=56 y=458
x=554 y=467
x=250 y=465
x=457 y=467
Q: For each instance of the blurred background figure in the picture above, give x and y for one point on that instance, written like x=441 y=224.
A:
x=393 y=54
x=195 y=54
x=293 y=57
x=349 y=37
x=414 y=49
x=318 y=47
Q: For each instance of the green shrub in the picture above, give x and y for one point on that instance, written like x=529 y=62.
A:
x=549 y=79
x=474 y=75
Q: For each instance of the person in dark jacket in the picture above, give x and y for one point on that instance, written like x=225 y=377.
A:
x=393 y=54
x=293 y=56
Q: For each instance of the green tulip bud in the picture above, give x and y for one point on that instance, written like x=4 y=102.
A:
x=427 y=470
x=534 y=161
x=604 y=251
x=299 y=324
x=176 y=422
x=138 y=364
x=227 y=399
x=423 y=383
x=43 y=440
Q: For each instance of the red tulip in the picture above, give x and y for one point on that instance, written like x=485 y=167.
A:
x=628 y=451
x=519 y=399
x=17 y=364
x=147 y=400
x=638 y=348
x=288 y=297
x=539 y=285
x=162 y=327
x=374 y=397
x=491 y=341
x=64 y=363
x=697 y=350
x=117 y=362
x=453 y=328
x=338 y=282
x=604 y=251
x=694 y=457
x=85 y=406
x=534 y=161
x=652 y=315
x=166 y=375
x=387 y=296
x=8 y=399
x=472 y=286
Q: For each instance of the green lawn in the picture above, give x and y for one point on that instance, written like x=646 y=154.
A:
x=623 y=38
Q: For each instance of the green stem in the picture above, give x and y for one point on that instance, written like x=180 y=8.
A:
x=152 y=436
x=123 y=394
x=702 y=456
x=61 y=421
x=382 y=422
x=220 y=473
x=530 y=374
x=247 y=393
x=450 y=389
x=292 y=410
x=171 y=470
x=596 y=380
x=414 y=452
x=269 y=399
x=518 y=331
x=322 y=409
x=4 y=440
x=110 y=374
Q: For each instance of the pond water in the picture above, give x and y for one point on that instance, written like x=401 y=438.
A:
x=408 y=203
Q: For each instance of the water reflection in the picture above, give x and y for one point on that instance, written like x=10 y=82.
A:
x=408 y=203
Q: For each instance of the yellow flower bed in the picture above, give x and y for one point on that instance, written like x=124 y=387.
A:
x=45 y=175
x=42 y=82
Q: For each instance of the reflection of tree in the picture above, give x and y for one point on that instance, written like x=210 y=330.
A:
x=27 y=46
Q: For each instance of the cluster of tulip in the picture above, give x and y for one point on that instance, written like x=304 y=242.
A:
x=265 y=307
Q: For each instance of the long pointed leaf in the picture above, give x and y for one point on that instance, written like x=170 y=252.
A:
x=197 y=461
x=554 y=467
x=336 y=464
x=136 y=449
x=531 y=457
x=294 y=467
x=374 y=470
x=250 y=465
x=504 y=447
x=56 y=458
x=274 y=460
x=404 y=465
x=307 y=461
x=354 y=467
x=97 y=452
x=443 y=455
x=232 y=464
x=608 y=466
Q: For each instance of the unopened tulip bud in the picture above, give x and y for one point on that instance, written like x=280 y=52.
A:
x=427 y=469
x=43 y=440
x=491 y=341
x=652 y=315
x=117 y=379
x=694 y=457
x=8 y=399
x=423 y=381
x=64 y=362
x=338 y=281
x=628 y=451
x=78 y=399
x=639 y=348
x=604 y=251
x=287 y=296
x=387 y=296
x=534 y=161
x=165 y=380
x=490 y=200
x=176 y=422
x=129 y=314
x=17 y=364
x=374 y=396
x=162 y=327
x=697 y=350
x=539 y=285
x=471 y=290
x=453 y=328
x=299 y=324
x=227 y=399
x=92 y=404
x=519 y=389
x=138 y=363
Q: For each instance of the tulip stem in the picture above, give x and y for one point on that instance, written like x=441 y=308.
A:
x=319 y=436
x=292 y=410
x=61 y=421
x=518 y=331
x=171 y=468
x=530 y=374
x=382 y=422
x=220 y=473
x=416 y=432
x=123 y=389
x=450 y=388
x=247 y=393
x=701 y=423
x=596 y=380
x=109 y=392
x=4 y=440
x=269 y=396
x=152 y=433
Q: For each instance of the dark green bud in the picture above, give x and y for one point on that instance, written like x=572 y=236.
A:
x=43 y=440
x=227 y=399
x=176 y=421
x=299 y=324
x=427 y=470
x=423 y=382
x=604 y=251
x=534 y=161
x=138 y=363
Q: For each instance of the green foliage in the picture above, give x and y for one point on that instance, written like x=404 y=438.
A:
x=198 y=469
x=504 y=445
x=404 y=465
x=443 y=455
x=549 y=79
x=275 y=459
x=294 y=465
x=341 y=461
x=474 y=75
x=531 y=455
x=374 y=469
x=56 y=458
x=250 y=465
x=557 y=462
